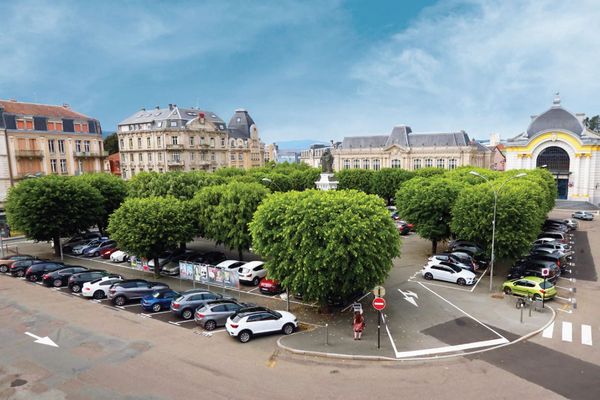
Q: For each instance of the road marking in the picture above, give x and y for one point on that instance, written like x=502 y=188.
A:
x=410 y=297
x=449 y=349
x=128 y=305
x=42 y=340
x=479 y=279
x=567 y=331
x=252 y=290
x=156 y=313
x=586 y=335
x=547 y=333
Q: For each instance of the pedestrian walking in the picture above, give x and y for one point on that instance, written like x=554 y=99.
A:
x=358 y=325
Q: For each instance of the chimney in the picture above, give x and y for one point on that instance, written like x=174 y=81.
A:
x=201 y=116
x=66 y=105
x=170 y=106
x=157 y=107
x=143 y=108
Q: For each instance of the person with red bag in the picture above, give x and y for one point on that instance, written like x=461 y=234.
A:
x=358 y=324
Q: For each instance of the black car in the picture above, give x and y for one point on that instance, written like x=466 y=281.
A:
x=210 y=257
x=77 y=280
x=558 y=259
x=18 y=268
x=60 y=277
x=465 y=244
x=527 y=267
x=8 y=261
x=458 y=258
x=35 y=272
x=479 y=256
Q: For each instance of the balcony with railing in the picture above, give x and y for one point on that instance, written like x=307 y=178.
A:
x=21 y=153
x=174 y=163
x=90 y=154
x=171 y=146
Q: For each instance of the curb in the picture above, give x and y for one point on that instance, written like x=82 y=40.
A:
x=382 y=358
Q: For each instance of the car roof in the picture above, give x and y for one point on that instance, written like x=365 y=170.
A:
x=227 y=263
x=192 y=291
x=252 y=264
x=532 y=278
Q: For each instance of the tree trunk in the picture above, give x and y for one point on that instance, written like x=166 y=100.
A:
x=240 y=254
x=182 y=246
x=56 y=240
x=434 y=246
x=157 y=268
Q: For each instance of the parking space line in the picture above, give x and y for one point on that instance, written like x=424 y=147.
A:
x=547 y=333
x=442 y=286
x=478 y=280
x=586 y=334
x=127 y=306
x=157 y=313
x=567 y=331
x=449 y=349
x=252 y=290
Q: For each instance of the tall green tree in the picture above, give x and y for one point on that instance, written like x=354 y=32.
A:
x=325 y=244
x=182 y=185
x=52 y=207
x=427 y=203
x=387 y=181
x=224 y=212
x=429 y=172
x=111 y=143
x=358 y=179
x=113 y=191
x=150 y=226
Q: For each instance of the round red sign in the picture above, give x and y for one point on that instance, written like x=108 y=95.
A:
x=379 y=303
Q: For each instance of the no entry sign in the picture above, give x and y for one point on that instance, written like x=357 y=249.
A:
x=379 y=303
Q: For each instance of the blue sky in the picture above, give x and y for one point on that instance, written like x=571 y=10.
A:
x=309 y=69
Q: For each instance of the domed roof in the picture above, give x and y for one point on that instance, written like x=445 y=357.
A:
x=556 y=118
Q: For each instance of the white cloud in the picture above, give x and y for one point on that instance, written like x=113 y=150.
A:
x=485 y=65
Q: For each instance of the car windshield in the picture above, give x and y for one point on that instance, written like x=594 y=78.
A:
x=95 y=281
x=180 y=298
x=454 y=267
x=546 y=285
x=158 y=295
x=237 y=318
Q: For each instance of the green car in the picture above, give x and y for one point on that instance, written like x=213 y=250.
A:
x=530 y=286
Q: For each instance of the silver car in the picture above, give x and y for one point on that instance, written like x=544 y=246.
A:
x=215 y=313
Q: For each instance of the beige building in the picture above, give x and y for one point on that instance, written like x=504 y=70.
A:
x=178 y=139
x=403 y=149
x=39 y=139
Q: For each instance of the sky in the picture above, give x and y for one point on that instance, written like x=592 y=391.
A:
x=318 y=70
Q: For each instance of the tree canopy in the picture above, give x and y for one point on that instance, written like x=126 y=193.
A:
x=111 y=143
x=113 y=191
x=51 y=207
x=182 y=185
x=325 y=244
x=386 y=182
x=358 y=179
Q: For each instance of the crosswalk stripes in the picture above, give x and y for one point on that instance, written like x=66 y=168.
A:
x=566 y=331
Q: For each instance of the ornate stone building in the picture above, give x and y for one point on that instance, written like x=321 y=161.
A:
x=403 y=149
x=558 y=140
x=178 y=139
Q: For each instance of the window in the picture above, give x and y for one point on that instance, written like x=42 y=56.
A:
x=39 y=123
x=212 y=142
x=175 y=139
x=191 y=155
x=148 y=145
x=346 y=164
x=78 y=146
x=159 y=124
x=130 y=143
x=176 y=157
x=452 y=163
x=86 y=146
x=68 y=125
x=356 y=163
x=191 y=140
x=158 y=142
x=159 y=156
x=51 y=146
x=139 y=143
x=440 y=163
x=121 y=144
x=53 y=166
x=140 y=157
x=173 y=123
x=29 y=124
x=428 y=162
x=131 y=157
x=222 y=142
x=240 y=156
x=149 y=156
x=63 y=166
x=376 y=165
x=61 y=146
x=417 y=163
x=212 y=156
x=366 y=164
x=396 y=163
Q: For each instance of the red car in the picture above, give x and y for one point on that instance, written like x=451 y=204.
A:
x=269 y=286
x=107 y=252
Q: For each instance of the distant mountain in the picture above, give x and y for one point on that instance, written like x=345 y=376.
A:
x=298 y=144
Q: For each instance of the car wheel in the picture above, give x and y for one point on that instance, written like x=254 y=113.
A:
x=187 y=314
x=245 y=336
x=210 y=325
x=96 y=254
x=537 y=297
x=98 y=294
x=120 y=301
x=4 y=268
x=428 y=276
x=76 y=288
x=288 y=329
x=20 y=273
x=256 y=281
x=57 y=283
x=507 y=291
x=32 y=278
x=156 y=307
x=461 y=282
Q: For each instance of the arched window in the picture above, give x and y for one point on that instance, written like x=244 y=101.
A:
x=346 y=164
x=440 y=163
x=356 y=162
x=428 y=162
x=376 y=165
x=555 y=159
x=452 y=163
x=417 y=163
x=366 y=164
x=396 y=163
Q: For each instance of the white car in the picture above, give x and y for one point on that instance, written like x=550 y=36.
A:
x=252 y=272
x=98 y=289
x=231 y=264
x=119 y=256
x=444 y=271
x=245 y=325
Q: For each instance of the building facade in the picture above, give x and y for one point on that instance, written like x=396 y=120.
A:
x=178 y=139
x=559 y=141
x=402 y=149
x=39 y=139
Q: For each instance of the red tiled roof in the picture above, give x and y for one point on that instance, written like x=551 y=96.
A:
x=114 y=157
x=42 y=110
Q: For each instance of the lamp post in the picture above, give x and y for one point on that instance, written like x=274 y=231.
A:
x=494 y=217
x=287 y=290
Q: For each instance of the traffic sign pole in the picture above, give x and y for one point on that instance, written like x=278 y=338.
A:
x=378 y=329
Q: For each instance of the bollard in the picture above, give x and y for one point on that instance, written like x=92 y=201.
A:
x=522 y=314
x=327 y=334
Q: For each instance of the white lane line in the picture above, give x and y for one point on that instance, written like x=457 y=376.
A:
x=547 y=333
x=449 y=349
x=479 y=279
x=444 y=286
x=252 y=290
x=462 y=311
x=128 y=305
x=567 y=331
x=184 y=321
x=586 y=335
x=390 y=335
x=159 y=312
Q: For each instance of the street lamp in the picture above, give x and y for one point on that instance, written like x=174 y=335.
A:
x=287 y=290
x=522 y=174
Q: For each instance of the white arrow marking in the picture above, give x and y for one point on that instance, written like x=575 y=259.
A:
x=42 y=340
x=408 y=296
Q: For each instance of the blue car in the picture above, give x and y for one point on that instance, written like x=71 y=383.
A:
x=159 y=300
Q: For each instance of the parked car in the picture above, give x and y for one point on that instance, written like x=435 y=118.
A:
x=462 y=260
x=160 y=299
x=185 y=305
x=479 y=256
x=561 y=237
x=94 y=251
x=8 y=261
x=559 y=260
x=246 y=325
x=252 y=272
x=98 y=288
x=210 y=257
x=465 y=244
x=18 y=268
x=269 y=286
x=584 y=215
x=529 y=267
x=403 y=227
x=132 y=289
x=106 y=253
x=551 y=247
x=571 y=223
x=171 y=268
x=215 y=313
x=35 y=272
x=76 y=281
x=61 y=276
x=230 y=264
x=80 y=248
x=528 y=286
x=119 y=256
x=446 y=271
x=79 y=239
